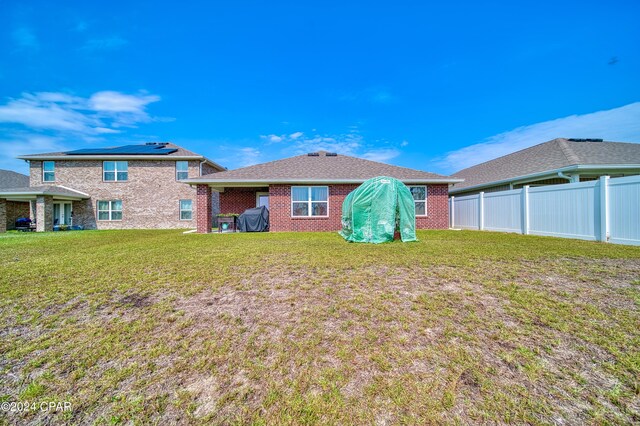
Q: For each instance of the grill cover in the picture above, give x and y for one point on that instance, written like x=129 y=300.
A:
x=254 y=220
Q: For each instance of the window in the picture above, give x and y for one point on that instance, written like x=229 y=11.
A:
x=182 y=170
x=420 y=199
x=48 y=171
x=309 y=201
x=110 y=210
x=262 y=199
x=186 y=209
x=113 y=171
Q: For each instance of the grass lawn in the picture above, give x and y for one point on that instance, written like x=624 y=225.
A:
x=157 y=327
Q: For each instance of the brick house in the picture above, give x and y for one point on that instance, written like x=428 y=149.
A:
x=127 y=187
x=305 y=193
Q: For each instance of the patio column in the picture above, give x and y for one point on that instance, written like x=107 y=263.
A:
x=44 y=213
x=203 y=209
x=3 y=215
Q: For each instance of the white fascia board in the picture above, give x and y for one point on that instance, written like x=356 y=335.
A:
x=608 y=167
x=550 y=173
x=218 y=183
x=74 y=190
x=31 y=195
x=122 y=157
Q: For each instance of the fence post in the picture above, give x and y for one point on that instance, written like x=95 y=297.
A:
x=481 y=211
x=604 y=209
x=525 y=210
x=453 y=211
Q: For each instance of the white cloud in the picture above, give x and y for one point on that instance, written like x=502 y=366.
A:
x=36 y=113
x=295 y=135
x=381 y=155
x=250 y=156
x=272 y=138
x=40 y=122
x=299 y=143
x=25 y=39
x=110 y=101
x=618 y=124
x=103 y=112
x=20 y=143
x=349 y=143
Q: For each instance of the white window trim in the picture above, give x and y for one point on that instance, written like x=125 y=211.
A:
x=258 y=194
x=180 y=209
x=44 y=171
x=426 y=198
x=182 y=171
x=115 y=171
x=309 y=201
x=110 y=211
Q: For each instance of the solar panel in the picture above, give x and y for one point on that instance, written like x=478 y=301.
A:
x=125 y=150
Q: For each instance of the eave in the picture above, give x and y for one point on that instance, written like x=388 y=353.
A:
x=222 y=183
x=121 y=157
x=547 y=174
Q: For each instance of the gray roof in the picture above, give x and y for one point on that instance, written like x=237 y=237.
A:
x=53 y=190
x=180 y=152
x=320 y=167
x=547 y=157
x=11 y=179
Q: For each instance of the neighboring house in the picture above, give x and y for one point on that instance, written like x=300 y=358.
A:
x=550 y=163
x=305 y=193
x=133 y=186
x=13 y=208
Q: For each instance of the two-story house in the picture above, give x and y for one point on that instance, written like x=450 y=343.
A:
x=125 y=187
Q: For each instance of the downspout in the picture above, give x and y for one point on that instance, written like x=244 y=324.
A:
x=563 y=176
x=200 y=166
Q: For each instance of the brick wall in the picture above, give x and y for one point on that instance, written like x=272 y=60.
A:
x=203 y=209
x=44 y=213
x=237 y=200
x=280 y=210
x=437 y=208
x=3 y=215
x=15 y=210
x=150 y=197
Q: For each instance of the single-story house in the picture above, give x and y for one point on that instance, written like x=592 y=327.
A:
x=555 y=162
x=305 y=192
x=13 y=208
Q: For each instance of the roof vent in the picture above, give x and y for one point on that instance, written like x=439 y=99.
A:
x=584 y=140
x=331 y=154
x=150 y=143
x=313 y=154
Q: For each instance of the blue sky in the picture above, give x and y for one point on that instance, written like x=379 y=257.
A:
x=433 y=86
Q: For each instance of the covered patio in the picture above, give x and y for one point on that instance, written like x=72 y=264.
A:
x=48 y=205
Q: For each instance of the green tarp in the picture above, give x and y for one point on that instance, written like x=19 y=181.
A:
x=372 y=212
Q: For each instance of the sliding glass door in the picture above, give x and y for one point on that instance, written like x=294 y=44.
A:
x=62 y=213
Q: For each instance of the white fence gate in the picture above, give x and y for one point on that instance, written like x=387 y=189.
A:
x=602 y=210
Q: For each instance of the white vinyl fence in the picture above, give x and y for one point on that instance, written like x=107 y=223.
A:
x=602 y=210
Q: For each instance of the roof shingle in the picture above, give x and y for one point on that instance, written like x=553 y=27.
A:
x=549 y=156
x=11 y=179
x=318 y=167
x=179 y=152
